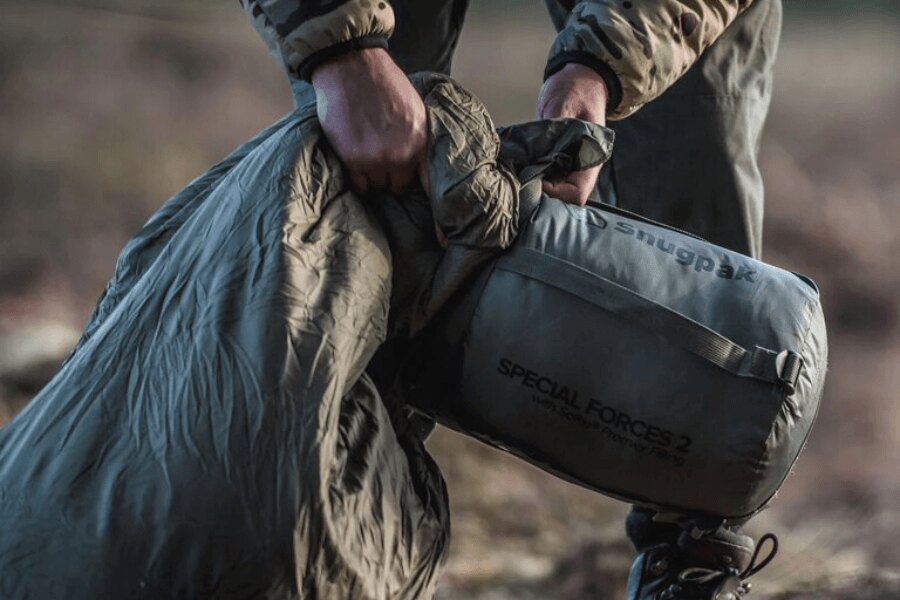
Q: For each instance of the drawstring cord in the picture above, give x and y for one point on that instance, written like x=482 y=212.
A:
x=752 y=569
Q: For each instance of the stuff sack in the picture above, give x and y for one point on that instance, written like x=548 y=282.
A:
x=631 y=358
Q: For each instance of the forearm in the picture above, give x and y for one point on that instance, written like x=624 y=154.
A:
x=302 y=34
x=640 y=48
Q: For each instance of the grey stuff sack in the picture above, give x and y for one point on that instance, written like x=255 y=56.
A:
x=631 y=358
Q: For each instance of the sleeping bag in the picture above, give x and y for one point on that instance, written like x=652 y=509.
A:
x=214 y=434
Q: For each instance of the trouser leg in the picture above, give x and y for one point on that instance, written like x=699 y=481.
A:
x=689 y=158
x=426 y=33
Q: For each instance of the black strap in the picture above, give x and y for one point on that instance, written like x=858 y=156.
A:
x=758 y=363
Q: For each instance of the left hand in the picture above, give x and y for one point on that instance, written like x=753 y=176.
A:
x=574 y=91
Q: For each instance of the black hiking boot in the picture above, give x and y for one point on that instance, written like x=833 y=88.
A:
x=710 y=566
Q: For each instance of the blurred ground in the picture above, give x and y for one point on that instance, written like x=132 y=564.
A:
x=106 y=113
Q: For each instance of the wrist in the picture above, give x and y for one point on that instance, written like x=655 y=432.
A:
x=574 y=91
x=347 y=66
x=610 y=78
x=594 y=84
x=314 y=60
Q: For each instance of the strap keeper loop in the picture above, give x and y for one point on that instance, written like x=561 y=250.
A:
x=789 y=364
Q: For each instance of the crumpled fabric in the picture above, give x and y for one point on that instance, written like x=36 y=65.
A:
x=214 y=434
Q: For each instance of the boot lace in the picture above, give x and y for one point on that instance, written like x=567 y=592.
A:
x=697 y=577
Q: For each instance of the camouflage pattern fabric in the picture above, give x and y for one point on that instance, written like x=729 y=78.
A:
x=640 y=47
x=689 y=157
x=301 y=33
x=647 y=45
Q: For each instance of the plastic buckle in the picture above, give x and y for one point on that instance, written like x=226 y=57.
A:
x=789 y=364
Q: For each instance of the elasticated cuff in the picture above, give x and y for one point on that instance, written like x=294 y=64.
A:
x=613 y=85
x=308 y=66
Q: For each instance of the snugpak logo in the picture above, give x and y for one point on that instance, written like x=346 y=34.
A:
x=687 y=257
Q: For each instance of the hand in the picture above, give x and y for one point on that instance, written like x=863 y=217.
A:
x=373 y=118
x=574 y=91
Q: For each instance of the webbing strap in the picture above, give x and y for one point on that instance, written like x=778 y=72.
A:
x=758 y=363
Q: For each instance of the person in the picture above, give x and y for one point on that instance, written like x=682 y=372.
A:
x=685 y=85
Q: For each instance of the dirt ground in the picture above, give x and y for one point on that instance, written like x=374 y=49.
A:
x=106 y=113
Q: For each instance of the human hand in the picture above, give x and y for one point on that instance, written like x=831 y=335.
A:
x=574 y=91
x=374 y=119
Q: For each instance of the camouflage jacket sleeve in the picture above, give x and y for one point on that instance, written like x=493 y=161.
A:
x=641 y=47
x=304 y=33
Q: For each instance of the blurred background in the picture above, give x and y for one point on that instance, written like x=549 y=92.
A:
x=107 y=107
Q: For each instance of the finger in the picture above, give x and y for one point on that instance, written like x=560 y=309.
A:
x=401 y=178
x=569 y=192
x=551 y=188
x=423 y=175
x=379 y=177
x=359 y=183
x=563 y=190
x=575 y=188
x=585 y=181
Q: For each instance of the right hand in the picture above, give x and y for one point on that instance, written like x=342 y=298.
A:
x=374 y=119
x=579 y=92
